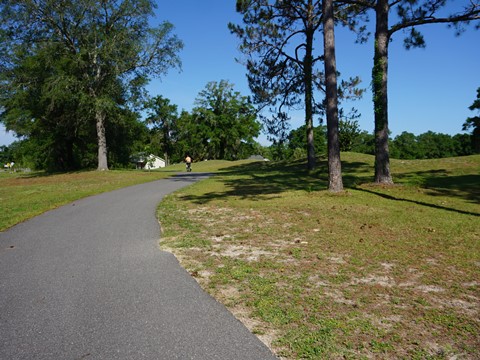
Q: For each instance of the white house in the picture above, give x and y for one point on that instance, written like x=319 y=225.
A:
x=150 y=162
x=154 y=162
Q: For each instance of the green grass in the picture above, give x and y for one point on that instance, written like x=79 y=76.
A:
x=373 y=272
x=24 y=195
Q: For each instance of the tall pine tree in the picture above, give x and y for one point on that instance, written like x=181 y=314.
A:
x=405 y=15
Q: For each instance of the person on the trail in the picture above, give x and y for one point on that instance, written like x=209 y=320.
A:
x=188 y=162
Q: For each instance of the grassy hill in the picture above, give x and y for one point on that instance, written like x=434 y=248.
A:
x=374 y=272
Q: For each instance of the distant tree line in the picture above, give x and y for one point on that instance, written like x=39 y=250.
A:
x=172 y=135
x=430 y=145
x=408 y=146
x=222 y=125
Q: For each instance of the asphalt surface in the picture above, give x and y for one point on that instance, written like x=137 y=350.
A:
x=89 y=281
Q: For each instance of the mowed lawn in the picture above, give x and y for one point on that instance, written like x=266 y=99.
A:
x=24 y=195
x=374 y=272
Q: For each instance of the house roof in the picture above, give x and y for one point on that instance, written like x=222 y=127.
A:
x=155 y=156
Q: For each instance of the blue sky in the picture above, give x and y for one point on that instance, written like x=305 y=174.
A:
x=429 y=89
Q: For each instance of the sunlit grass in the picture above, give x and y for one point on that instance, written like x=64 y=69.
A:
x=374 y=272
x=24 y=195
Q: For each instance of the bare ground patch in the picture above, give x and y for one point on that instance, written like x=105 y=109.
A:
x=350 y=287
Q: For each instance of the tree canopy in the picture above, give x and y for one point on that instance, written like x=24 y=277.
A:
x=80 y=64
x=283 y=69
x=473 y=123
x=162 y=116
x=223 y=120
x=222 y=125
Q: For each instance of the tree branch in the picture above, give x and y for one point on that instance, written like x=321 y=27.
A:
x=475 y=15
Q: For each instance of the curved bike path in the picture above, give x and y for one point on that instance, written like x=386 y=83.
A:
x=88 y=281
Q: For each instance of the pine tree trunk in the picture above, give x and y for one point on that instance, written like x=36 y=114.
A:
x=308 y=63
x=102 y=141
x=335 y=182
x=380 y=95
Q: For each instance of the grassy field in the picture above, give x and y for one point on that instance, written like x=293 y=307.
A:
x=374 y=272
x=24 y=195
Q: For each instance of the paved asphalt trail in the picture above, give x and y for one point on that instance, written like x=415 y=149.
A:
x=88 y=281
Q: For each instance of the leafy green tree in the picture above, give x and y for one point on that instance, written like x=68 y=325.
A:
x=247 y=149
x=5 y=155
x=221 y=125
x=473 y=123
x=127 y=135
x=405 y=146
x=463 y=145
x=35 y=105
x=364 y=143
x=351 y=137
x=163 y=115
x=296 y=139
x=279 y=150
x=430 y=145
x=435 y=146
x=349 y=131
x=259 y=149
x=24 y=153
x=103 y=52
x=407 y=15
x=191 y=139
x=55 y=122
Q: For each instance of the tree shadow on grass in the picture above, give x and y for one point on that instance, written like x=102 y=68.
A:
x=34 y=174
x=264 y=180
x=417 y=202
x=356 y=173
x=440 y=183
x=260 y=181
x=45 y=174
x=466 y=186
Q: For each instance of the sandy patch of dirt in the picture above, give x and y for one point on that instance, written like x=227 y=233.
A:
x=384 y=281
x=387 y=266
x=337 y=260
x=430 y=289
x=338 y=297
x=247 y=253
x=461 y=306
